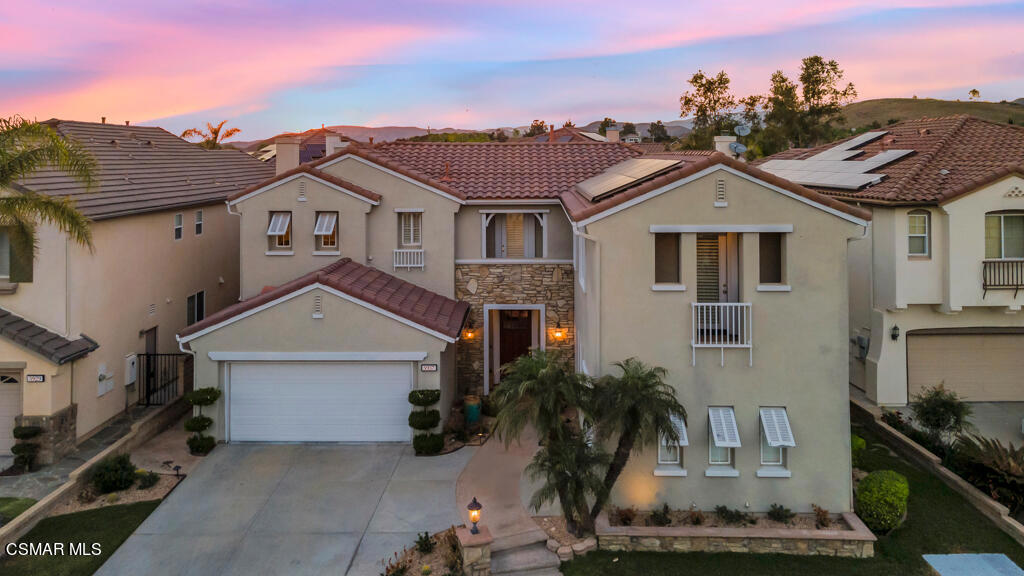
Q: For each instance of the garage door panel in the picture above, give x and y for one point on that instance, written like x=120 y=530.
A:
x=329 y=402
x=979 y=367
x=10 y=408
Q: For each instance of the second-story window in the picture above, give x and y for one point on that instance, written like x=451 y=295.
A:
x=666 y=259
x=178 y=226
x=326 y=231
x=1004 y=236
x=195 y=307
x=410 y=229
x=199 y=222
x=771 y=256
x=514 y=234
x=279 y=231
x=918 y=233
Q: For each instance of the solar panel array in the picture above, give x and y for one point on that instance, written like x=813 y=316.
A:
x=834 y=168
x=622 y=175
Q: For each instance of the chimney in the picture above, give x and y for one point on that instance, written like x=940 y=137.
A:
x=612 y=133
x=334 y=144
x=126 y=123
x=722 y=145
x=287 y=153
x=103 y=119
x=551 y=133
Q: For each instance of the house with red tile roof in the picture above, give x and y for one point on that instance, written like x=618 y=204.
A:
x=381 y=269
x=936 y=287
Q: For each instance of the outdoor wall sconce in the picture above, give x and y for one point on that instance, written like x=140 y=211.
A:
x=895 y=333
x=559 y=332
x=468 y=333
x=474 y=515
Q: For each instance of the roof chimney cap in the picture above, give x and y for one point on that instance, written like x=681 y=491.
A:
x=126 y=122
x=103 y=119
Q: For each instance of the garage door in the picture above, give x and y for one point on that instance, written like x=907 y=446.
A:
x=979 y=367
x=10 y=407
x=320 y=402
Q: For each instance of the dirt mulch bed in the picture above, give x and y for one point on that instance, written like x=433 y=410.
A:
x=554 y=527
x=618 y=516
x=438 y=559
x=88 y=500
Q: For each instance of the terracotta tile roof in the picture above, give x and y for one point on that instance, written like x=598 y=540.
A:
x=373 y=154
x=307 y=169
x=52 y=346
x=147 y=169
x=312 y=143
x=951 y=156
x=507 y=170
x=579 y=208
x=404 y=299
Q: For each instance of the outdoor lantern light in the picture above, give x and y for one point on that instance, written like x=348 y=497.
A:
x=895 y=333
x=559 y=332
x=474 y=515
x=468 y=333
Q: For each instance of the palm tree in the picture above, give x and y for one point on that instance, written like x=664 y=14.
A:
x=537 y=389
x=569 y=468
x=639 y=407
x=24 y=148
x=213 y=137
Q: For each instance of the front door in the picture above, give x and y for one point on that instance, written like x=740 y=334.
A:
x=516 y=334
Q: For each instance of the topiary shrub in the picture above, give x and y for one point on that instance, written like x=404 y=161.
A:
x=203 y=396
x=427 y=444
x=26 y=432
x=882 y=500
x=25 y=455
x=201 y=445
x=857 y=447
x=113 y=473
x=198 y=424
x=424 y=420
x=424 y=398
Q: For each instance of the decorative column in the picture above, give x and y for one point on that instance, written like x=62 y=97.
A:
x=476 y=550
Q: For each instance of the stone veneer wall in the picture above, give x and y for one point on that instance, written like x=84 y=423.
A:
x=58 y=436
x=479 y=284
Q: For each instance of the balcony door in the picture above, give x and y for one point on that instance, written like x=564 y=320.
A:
x=718 y=267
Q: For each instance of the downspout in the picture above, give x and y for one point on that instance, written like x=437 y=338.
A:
x=241 y=290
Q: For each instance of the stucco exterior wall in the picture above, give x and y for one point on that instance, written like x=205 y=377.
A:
x=290 y=327
x=44 y=300
x=468 y=226
x=859 y=282
x=37 y=398
x=799 y=338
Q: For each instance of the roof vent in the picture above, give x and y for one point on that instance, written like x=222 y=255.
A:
x=302 y=190
x=943 y=171
x=152 y=309
x=720 y=201
x=447 y=172
x=924 y=131
x=115 y=144
x=318 y=307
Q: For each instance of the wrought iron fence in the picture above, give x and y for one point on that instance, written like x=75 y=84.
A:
x=160 y=378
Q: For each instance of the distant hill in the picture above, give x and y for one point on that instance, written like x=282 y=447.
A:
x=675 y=128
x=390 y=133
x=884 y=109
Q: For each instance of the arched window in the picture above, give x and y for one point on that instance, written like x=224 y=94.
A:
x=1004 y=236
x=919 y=233
x=5 y=379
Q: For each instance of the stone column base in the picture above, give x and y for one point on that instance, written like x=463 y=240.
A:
x=476 y=550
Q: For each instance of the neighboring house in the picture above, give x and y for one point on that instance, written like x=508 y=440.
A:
x=381 y=269
x=937 y=287
x=312 y=144
x=569 y=134
x=74 y=325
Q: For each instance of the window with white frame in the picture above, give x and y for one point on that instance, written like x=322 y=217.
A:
x=199 y=222
x=325 y=232
x=723 y=439
x=410 y=229
x=195 y=307
x=918 y=233
x=178 y=226
x=670 y=452
x=1004 y=236
x=667 y=265
x=514 y=234
x=776 y=439
x=771 y=258
x=279 y=231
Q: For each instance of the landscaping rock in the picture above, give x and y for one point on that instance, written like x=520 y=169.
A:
x=553 y=545
x=581 y=548
x=564 y=553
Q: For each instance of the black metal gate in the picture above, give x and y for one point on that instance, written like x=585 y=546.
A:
x=159 y=378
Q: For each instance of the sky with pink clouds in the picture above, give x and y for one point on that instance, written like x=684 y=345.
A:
x=271 y=66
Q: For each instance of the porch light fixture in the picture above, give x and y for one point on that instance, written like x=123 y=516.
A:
x=468 y=333
x=559 y=332
x=895 y=333
x=474 y=515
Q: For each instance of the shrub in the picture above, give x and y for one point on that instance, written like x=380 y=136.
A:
x=661 y=516
x=451 y=551
x=857 y=447
x=942 y=413
x=780 y=513
x=203 y=396
x=201 y=445
x=882 y=500
x=25 y=454
x=147 y=479
x=696 y=517
x=424 y=398
x=113 y=473
x=427 y=444
x=26 y=432
x=994 y=469
x=733 y=516
x=424 y=543
x=487 y=407
x=424 y=419
x=821 y=517
x=198 y=423
x=626 y=516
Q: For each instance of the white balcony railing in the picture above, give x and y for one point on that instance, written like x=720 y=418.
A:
x=407 y=259
x=722 y=325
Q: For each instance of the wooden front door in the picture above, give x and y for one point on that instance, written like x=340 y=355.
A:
x=516 y=334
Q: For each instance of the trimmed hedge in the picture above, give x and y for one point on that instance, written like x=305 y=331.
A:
x=428 y=444
x=26 y=432
x=424 y=420
x=203 y=396
x=198 y=423
x=424 y=398
x=113 y=474
x=882 y=500
x=201 y=445
x=857 y=447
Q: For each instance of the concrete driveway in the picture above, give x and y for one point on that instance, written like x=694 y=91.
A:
x=294 y=509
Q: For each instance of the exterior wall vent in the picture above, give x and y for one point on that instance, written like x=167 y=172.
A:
x=152 y=309
x=720 y=201
x=302 y=190
x=318 y=306
x=1015 y=192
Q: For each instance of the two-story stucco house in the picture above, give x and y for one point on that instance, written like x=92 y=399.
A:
x=379 y=269
x=936 y=288
x=75 y=325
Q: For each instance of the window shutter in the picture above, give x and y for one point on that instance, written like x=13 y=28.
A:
x=724 y=432
x=708 y=289
x=680 y=425
x=775 y=423
x=21 y=263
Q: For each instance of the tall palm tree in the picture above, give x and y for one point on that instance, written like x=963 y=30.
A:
x=24 y=148
x=536 y=389
x=570 y=469
x=638 y=407
x=213 y=137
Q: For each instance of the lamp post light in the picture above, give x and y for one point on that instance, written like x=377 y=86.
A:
x=474 y=515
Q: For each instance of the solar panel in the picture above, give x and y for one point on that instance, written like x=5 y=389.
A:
x=622 y=175
x=834 y=168
x=594 y=136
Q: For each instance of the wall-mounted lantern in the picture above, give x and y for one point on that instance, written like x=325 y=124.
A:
x=469 y=332
x=895 y=333
x=558 y=333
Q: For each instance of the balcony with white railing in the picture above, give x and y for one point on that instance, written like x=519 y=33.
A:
x=409 y=259
x=722 y=325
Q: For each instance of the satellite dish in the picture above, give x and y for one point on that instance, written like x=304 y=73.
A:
x=737 y=148
x=742 y=130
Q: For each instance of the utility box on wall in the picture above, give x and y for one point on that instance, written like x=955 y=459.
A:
x=131 y=369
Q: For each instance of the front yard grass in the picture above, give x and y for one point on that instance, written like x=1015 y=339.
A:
x=939 y=521
x=11 y=507
x=109 y=526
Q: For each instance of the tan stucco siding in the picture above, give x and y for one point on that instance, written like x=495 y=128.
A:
x=468 y=227
x=44 y=300
x=290 y=327
x=800 y=344
x=261 y=267
x=38 y=398
x=438 y=230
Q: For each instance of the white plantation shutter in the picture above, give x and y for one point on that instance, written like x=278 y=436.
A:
x=775 y=423
x=411 y=235
x=279 y=222
x=680 y=425
x=325 y=222
x=724 y=432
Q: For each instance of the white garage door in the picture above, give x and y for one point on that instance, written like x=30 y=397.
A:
x=10 y=407
x=320 y=402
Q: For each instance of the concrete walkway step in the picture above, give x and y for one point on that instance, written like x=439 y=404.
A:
x=527 y=560
x=520 y=540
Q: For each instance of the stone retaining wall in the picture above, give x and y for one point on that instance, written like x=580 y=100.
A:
x=58 y=436
x=857 y=542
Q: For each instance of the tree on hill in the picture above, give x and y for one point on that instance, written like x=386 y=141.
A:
x=568 y=124
x=628 y=128
x=499 y=135
x=823 y=98
x=658 y=132
x=712 y=105
x=537 y=127
x=605 y=124
x=213 y=137
x=974 y=94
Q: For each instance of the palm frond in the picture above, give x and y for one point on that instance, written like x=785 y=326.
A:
x=194 y=133
x=21 y=210
x=231 y=132
x=28 y=146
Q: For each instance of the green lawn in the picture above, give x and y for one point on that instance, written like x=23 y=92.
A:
x=11 y=507
x=939 y=521
x=109 y=526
